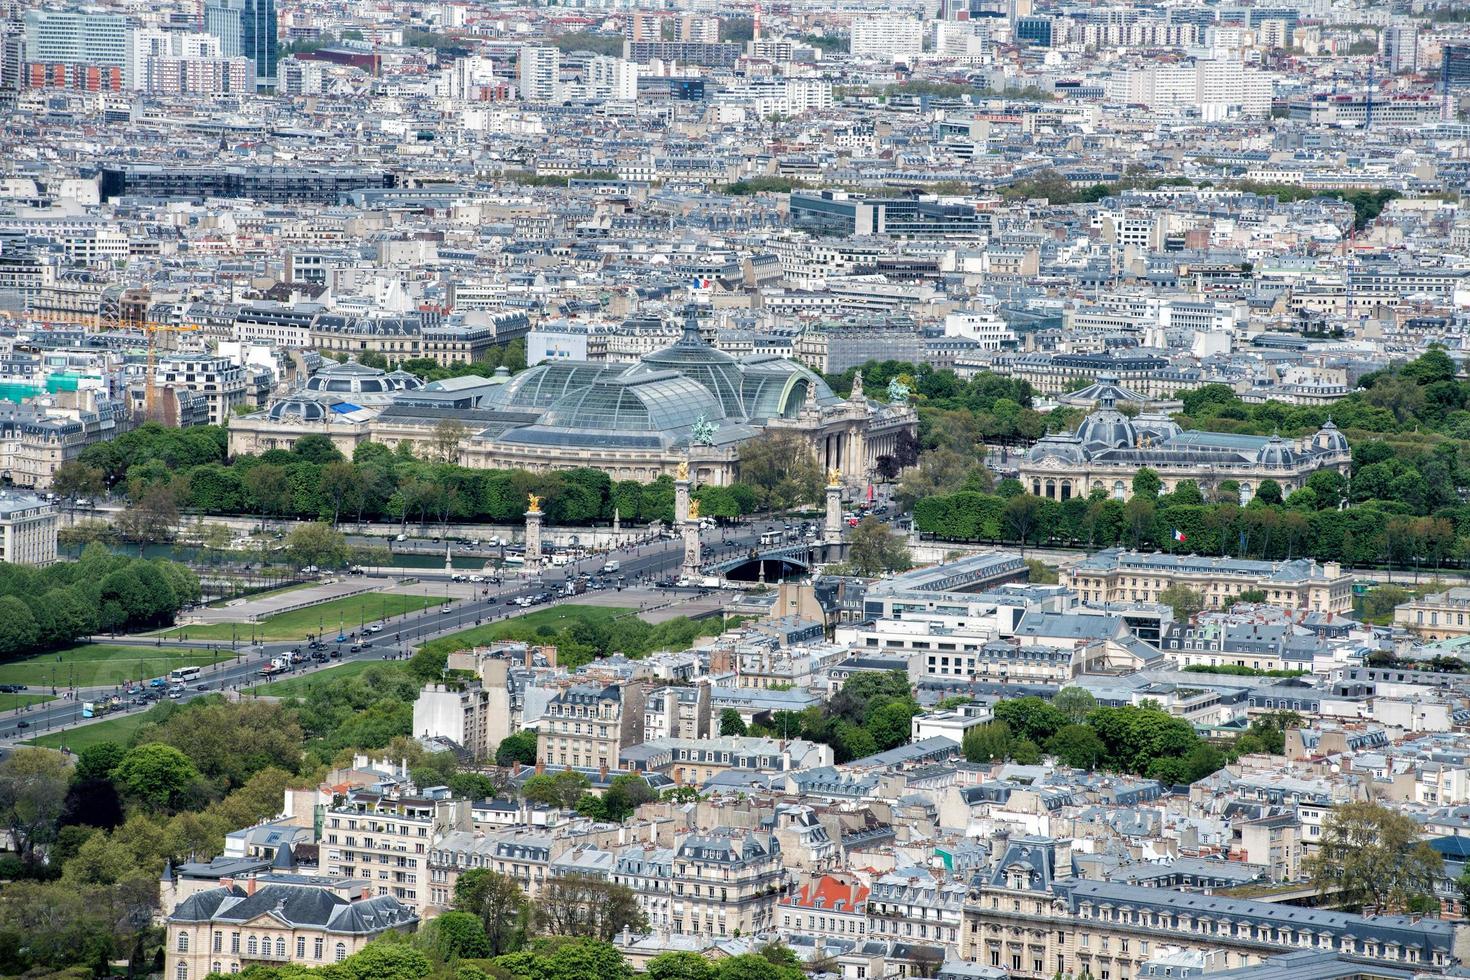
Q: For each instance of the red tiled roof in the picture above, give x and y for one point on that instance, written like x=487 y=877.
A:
x=829 y=894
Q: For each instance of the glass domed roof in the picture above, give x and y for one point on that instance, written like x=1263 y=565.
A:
x=694 y=359
x=1107 y=429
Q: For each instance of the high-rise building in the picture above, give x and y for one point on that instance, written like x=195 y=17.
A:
x=1401 y=48
x=887 y=37
x=1040 y=32
x=1455 y=66
x=540 y=74
x=612 y=79
x=76 y=39
x=704 y=30
x=247 y=29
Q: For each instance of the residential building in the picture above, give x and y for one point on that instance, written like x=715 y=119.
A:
x=590 y=725
x=385 y=841
x=27 y=529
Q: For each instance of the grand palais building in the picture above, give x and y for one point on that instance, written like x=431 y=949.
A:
x=688 y=403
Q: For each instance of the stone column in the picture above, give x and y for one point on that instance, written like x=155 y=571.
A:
x=533 y=540
x=832 y=531
x=693 y=567
x=681 y=501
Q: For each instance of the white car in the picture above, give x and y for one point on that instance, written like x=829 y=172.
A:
x=375 y=628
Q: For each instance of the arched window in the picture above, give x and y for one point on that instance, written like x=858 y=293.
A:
x=1066 y=489
x=1035 y=488
x=181 y=972
x=183 y=942
x=341 y=952
x=251 y=947
x=1051 y=489
x=214 y=967
x=1118 y=490
x=280 y=946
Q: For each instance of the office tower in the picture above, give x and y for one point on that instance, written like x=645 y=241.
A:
x=540 y=70
x=247 y=29
x=887 y=37
x=61 y=42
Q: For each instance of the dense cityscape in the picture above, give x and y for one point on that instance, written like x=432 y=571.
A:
x=947 y=489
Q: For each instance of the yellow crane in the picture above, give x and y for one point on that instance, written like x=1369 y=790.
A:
x=150 y=386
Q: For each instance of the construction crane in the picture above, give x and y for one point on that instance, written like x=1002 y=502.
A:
x=150 y=386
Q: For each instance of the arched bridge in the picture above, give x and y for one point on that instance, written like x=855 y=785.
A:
x=778 y=563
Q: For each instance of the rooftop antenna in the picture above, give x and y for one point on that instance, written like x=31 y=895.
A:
x=755 y=32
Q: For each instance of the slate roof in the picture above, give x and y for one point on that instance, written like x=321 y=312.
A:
x=297 y=906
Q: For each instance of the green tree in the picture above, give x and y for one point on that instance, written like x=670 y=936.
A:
x=563 y=789
x=18 y=629
x=502 y=907
x=731 y=723
x=680 y=966
x=1146 y=483
x=156 y=776
x=316 y=448
x=586 y=907
x=457 y=935
x=1185 y=602
x=1030 y=717
x=1078 y=746
x=1076 y=703
x=1269 y=492
x=317 y=544
x=33 y=785
x=987 y=742
x=779 y=466
x=891 y=724
x=875 y=548
x=1374 y=856
x=519 y=748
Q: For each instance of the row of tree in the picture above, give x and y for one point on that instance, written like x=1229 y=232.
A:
x=54 y=606
x=1140 y=739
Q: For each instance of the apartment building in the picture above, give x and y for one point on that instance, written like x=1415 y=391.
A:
x=1116 y=575
x=239 y=925
x=27 y=529
x=386 y=840
x=726 y=883
x=893 y=38
x=474 y=716
x=221 y=382
x=828 y=904
x=588 y=725
x=912 y=905
x=1027 y=920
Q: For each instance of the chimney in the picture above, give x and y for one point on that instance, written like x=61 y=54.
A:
x=250 y=885
x=540 y=767
x=530 y=656
x=678 y=777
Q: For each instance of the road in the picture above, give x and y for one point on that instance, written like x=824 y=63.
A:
x=639 y=564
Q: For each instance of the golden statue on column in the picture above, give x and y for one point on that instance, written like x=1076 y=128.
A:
x=535 y=504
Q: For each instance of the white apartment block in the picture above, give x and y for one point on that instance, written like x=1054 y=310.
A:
x=540 y=74
x=893 y=38
x=612 y=79
x=220 y=381
x=27 y=530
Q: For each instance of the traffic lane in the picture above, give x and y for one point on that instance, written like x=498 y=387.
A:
x=245 y=671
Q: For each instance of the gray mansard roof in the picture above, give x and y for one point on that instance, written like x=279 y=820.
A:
x=297 y=906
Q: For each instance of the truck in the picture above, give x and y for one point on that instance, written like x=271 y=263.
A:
x=611 y=568
x=575 y=586
x=271 y=669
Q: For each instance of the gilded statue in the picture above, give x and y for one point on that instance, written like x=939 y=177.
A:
x=834 y=477
x=694 y=510
x=683 y=472
x=535 y=503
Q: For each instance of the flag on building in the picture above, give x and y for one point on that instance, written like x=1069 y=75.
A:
x=1180 y=536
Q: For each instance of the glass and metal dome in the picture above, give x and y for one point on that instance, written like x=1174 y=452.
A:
x=298 y=410
x=773 y=387
x=1276 y=453
x=356 y=379
x=696 y=360
x=540 y=386
x=1107 y=429
x=1063 y=447
x=1329 y=439
x=1157 y=426
x=647 y=411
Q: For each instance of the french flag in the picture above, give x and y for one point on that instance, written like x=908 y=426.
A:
x=699 y=282
x=1180 y=536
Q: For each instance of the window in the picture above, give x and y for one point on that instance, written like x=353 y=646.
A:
x=219 y=942
x=317 y=952
x=183 y=942
x=301 y=947
x=341 y=952
x=281 y=946
x=235 y=942
x=251 y=949
x=182 y=971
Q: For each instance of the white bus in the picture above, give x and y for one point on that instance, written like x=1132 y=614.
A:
x=771 y=537
x=181 y=674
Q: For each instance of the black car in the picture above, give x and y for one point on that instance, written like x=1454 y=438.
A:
x=490 y=601
x=336 y=653
x=22 y=724
x=201 y=687
x=355 y=648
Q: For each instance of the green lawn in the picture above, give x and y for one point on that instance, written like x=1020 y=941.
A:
x=296 y=687
x=118 y=730
x=9 y=702
x=553 y=616
x=101 y=665
x=347 y=612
